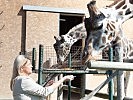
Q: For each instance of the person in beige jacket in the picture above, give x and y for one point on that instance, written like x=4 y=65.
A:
x=24 y=87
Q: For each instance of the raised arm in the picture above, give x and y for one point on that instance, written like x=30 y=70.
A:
x=58 y=83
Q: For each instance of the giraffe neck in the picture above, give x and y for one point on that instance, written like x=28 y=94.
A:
x=127 y=48
x=113 y=36
x=76 y=33
x=119 y=11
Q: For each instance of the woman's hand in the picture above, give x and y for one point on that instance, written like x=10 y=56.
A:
x=65 y=78
x=68 y=77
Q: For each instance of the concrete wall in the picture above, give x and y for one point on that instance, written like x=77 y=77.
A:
x=21 y=31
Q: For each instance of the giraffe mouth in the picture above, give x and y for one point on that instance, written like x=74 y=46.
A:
x=97 y=26
x=102 y=46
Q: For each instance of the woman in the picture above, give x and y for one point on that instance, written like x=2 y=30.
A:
x=24 y=87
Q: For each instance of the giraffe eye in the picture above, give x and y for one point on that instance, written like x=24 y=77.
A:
x=103 y=39
x=62 y=40
x=67 y=45
x=106 y=32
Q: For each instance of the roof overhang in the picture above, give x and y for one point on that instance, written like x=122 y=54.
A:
x=54 y=10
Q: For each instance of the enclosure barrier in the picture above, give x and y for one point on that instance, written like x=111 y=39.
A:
x=106 y=65
x=41 y=71
x=69 y=83
x=110 y=85
x=71 y=71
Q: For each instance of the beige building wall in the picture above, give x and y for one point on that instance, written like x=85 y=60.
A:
x=21 y=31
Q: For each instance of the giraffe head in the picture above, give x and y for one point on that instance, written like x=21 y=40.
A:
x=64 y=42
x=101 y=32
x=96 y=17
x=62 y=48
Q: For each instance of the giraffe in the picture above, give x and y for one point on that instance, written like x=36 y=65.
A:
x=115 y=16
x=109 y=33
x=114 y=12
x=64 y=42
x=103 y=29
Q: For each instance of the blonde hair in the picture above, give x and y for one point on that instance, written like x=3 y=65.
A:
x=18 y=63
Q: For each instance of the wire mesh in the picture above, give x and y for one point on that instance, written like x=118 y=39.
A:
x=50 y=57
x=76 y=52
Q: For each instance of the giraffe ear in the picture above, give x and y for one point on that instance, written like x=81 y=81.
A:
x=56 y=38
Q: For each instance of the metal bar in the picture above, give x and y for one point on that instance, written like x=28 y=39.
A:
x=33 y=58
x=69 y=83
x=60 y=71
x=40 y=68
x=106 y=65
x=120 y=85
x=83 y=85
x=120 y=76
x=110 y=72
x=87 y=91
x=100 y=86
x=53 y=10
